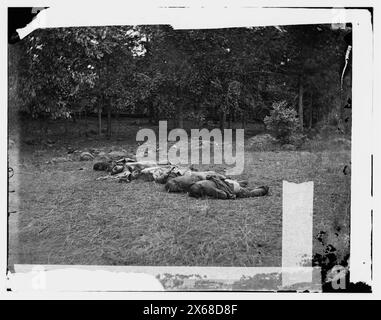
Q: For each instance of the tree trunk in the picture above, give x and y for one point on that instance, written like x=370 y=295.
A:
x=156 y=116
x=222 y=120
x=99 y=121
x=117 y=122
x=317 y=115
x=155 y=113
x=311 y=112
x=86 y=124
x=108 y=121
x=46 y=127
x=244 y=119
x=44 y=124
x=180 y=116
x=300 y=104
x=341 y=106
x=230 y=120
x=66 y=131
x=79 y=124
x=179 y=107
x=151 y=118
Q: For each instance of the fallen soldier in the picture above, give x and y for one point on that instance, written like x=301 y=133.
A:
x=118 y=168
x=161 y=174
x=209 y=188
x=180 y=179
x=183 y=183
x=110 y=164
x=103 y=166
x=218 y=188
x=126 y=170
x=253 y=192
x=121 y=177
x=132 y=166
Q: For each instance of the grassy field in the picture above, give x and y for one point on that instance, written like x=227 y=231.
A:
x=62 y=215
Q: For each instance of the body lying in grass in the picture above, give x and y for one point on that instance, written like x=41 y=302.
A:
x=225 y=189
x=148 y=171
x=184 y=182
x=114 y=167
x=145 y=170
x=181 y=179
x=215 y=186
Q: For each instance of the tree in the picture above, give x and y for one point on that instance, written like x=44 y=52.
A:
x=312 y=57
x=67 y=64
x=219 y=74
x=282 y=122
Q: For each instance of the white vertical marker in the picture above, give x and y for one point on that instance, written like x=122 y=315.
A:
x=297 y=232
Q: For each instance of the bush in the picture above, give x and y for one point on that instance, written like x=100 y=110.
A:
x=298 y=139
x=197 y=117
x=327 y=131
x=282 y=122
x=331 y=126
x=332 y=119
x=262 y=142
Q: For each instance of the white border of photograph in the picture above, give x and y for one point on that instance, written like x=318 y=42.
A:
x=215 y=15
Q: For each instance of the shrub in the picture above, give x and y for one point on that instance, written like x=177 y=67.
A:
x=332 y=119
x=262 y=142
x=282 y=122
x=327 y=131
x=298 y=139
x=198 y=117
x=331 y=126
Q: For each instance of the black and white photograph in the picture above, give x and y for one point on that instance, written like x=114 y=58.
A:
x=188 y=157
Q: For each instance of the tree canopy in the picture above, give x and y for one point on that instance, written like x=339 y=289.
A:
x=229 y=74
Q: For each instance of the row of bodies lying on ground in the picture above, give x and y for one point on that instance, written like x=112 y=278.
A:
x=199 y=184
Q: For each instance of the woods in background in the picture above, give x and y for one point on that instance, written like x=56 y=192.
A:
x=232 y=75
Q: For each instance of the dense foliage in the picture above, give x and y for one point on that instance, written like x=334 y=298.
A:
x=282 y=122
x=226 y=75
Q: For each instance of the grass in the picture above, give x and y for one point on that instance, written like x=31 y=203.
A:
x=65 y=216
